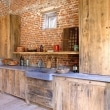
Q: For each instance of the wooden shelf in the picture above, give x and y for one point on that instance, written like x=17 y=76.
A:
x=56 y=53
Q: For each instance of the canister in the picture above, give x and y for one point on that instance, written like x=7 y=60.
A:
x=56 y=48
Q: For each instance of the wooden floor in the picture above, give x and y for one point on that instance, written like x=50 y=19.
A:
x=8 y=102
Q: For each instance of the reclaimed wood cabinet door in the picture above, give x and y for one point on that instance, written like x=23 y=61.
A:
x=8 y=81
x=94 y=21
x=40 y=92
x=9 y=35
x=14 y=82
x=76 y=94
x=20 y=84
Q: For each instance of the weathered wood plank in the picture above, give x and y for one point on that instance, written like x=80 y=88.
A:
x=76 y=94
x=84 y=40
x=40 y=83
x=17 y=84
x=94 y=36
x=40 y=92
x=38 y=99
x=9 y=35
x=22 y=80
x=14 y=82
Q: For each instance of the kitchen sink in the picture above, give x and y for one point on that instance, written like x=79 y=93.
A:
x=41 y=73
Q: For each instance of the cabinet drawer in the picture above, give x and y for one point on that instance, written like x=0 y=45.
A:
x=39 y=83
x=47 y=102
x=40 y=91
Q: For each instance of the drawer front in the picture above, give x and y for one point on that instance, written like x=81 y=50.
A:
x=39 y=83
x=47 y=102
x=40 y=91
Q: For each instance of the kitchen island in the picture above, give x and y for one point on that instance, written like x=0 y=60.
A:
x=71 y=91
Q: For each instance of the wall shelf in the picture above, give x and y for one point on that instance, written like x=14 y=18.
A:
x=48 y=53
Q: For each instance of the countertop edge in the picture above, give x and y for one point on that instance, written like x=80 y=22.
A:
x=92 y=77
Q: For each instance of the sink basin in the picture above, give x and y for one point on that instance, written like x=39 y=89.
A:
x=43 y=70
x=41 y=73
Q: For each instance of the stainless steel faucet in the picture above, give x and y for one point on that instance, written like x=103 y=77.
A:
x=40 y=63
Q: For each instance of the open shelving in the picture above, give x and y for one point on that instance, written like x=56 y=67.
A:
x=48 y=53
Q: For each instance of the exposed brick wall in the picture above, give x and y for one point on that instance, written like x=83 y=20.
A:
x=4 y=7
x=31 y=12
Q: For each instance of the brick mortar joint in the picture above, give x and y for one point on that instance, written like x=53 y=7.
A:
x=37 y=7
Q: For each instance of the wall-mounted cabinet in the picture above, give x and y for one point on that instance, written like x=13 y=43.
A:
x=9 y=35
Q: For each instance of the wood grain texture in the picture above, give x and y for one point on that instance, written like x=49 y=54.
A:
x=13 y=82
x=9 y=35
x=94 y=37
x=49 y=53
x=76 y=94
x=40 y=92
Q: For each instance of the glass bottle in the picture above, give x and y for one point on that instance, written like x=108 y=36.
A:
x=41 y=48
x=21 y=61
x=75 y=68
x=27 y=62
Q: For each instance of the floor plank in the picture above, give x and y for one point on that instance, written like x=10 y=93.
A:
x=8 y=102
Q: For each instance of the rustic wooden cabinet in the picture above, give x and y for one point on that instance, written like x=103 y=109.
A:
x=40 y=92
x=9 y=35
x=13 y=82
x=94 y=21
x=77 y=94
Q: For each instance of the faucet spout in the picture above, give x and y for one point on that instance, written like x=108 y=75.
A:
x=40 y=63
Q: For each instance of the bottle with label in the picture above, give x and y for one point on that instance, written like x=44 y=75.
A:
x=41 y=48
x=21 y=61
x=75 y=68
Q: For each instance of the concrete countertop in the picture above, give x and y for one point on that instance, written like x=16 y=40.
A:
x=21 y=68
x=92 y=77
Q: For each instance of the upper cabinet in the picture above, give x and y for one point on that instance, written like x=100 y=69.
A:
x=9 y=35
x=94 y=36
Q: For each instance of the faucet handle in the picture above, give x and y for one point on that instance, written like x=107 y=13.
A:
x=40 y=63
